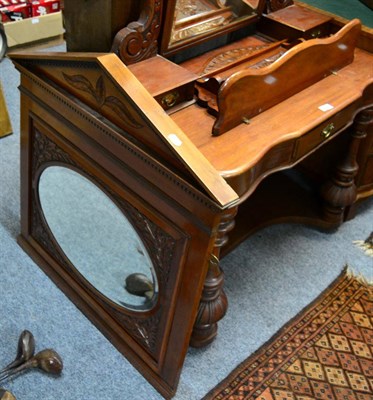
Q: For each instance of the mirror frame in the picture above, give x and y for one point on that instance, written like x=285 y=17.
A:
x=47 y=153
x=167 y=49
x=61 y=123
x=149 y=35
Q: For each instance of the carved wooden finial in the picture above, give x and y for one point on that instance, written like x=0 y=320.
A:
x=139 y=40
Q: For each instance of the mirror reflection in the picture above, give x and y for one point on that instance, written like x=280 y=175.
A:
x=97 y=238
x=197 y=17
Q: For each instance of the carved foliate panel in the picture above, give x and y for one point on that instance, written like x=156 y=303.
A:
x=145 y=329
x=98 y=92
x=231 y=56
x=90 y=84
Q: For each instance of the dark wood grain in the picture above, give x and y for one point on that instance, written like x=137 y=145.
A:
x=248 y=93
x=92 y=26
x=306 y=156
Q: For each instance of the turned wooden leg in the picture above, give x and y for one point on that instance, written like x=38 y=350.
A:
x=340 y=192
x=214 y=302
x=363 y=161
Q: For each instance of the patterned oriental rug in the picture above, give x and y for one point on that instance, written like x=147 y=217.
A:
x=326 y=352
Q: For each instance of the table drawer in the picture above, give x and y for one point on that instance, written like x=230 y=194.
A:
x=323 y=132
x=294 y=22
x=176 y=96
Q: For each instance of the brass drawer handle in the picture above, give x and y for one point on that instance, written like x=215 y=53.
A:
x=316 y=34
x=170 y=99
x=327 y=131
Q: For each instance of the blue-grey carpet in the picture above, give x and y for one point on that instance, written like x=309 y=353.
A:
x=269 y=279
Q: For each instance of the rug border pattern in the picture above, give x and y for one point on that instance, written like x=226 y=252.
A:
x=297 y=335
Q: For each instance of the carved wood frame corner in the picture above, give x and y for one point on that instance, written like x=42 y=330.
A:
x=139 y=39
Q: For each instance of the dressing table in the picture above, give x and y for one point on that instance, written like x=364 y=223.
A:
x=209 y=120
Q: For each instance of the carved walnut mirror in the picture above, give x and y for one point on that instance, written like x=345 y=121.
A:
x=97 y=238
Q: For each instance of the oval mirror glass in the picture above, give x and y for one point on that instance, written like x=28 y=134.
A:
x=97 y=238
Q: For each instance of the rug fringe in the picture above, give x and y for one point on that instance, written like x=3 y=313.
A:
x=367 y=247
x=350 y=273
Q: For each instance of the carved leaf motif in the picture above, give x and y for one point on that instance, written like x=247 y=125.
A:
x=44 y=150
x=231 y=56
x=100 y=91
x=267 y=61
x=80 y=82
x=117 y=106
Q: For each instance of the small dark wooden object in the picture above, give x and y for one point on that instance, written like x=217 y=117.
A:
x=47 y=360
x=25 y=350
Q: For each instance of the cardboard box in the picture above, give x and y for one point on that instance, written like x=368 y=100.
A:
x=5 y=125
x=33 y=29
x=9 y=2
x=43 y=7
x=15 y=12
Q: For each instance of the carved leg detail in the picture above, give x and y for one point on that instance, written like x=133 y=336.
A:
x=212 y=308
x=214 y=302
x=340 y=192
